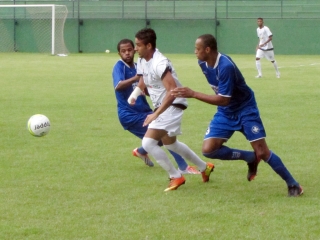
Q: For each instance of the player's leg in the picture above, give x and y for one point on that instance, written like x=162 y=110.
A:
x=217 y=134
x=150 y=143
x=224 y=152
x=270 y=57
x=259 y=55
x=183 y=166
x=182 y=149
x=274 y=161
x=171 y=122
x=254 y=131
x=139 y=131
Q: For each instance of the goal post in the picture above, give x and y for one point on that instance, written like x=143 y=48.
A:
x=33 y=28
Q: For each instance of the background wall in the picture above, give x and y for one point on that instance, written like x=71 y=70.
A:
x=290 y=36
x=94 y=26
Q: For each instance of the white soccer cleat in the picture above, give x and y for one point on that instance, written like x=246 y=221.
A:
x=189 y=170
x=259 y=76
x=278 y=75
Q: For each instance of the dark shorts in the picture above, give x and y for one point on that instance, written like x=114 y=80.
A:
x=247 y=122
x=138 y=130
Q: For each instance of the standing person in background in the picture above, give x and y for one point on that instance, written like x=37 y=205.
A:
x=237 y=111
x=164 y=124
x=265 y=48
x=132 y=117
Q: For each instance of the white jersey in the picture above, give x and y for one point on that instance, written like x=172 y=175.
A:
x=263 y=34
x=152 y=72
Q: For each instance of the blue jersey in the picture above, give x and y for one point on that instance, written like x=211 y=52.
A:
x=128 y=115
x=226 y=80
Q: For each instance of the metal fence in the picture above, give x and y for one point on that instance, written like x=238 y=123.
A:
x=181 y=9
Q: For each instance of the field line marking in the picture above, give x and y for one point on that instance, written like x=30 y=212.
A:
x=312 y=64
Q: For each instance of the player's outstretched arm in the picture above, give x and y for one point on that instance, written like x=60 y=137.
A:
x=186 y=92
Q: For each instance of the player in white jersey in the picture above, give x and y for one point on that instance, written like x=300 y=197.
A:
x=164 y=124
x=265 y=48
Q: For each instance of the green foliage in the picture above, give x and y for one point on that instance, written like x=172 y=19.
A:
x=81 y=181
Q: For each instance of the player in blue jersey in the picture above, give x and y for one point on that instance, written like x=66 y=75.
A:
x=237 y=111
x=131 y=118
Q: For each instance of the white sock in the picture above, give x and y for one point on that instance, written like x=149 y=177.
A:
x=276 y=67
x=258 y=65
x=151 y=146
x=184 y=151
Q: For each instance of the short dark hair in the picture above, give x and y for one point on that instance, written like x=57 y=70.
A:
x=260 y=18
x=209 y=40
x=124 y=41
x=147 y=35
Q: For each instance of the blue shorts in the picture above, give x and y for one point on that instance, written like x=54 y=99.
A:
x=247 y=122
x=138 y=130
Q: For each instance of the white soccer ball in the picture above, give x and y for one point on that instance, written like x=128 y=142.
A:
x=107 y=51
x=38 y=125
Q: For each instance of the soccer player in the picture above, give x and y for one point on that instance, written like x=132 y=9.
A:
x=265 y=48
x=132 y=117
x=237 y=111
x=159 y=76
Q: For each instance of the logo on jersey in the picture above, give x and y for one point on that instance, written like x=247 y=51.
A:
x=156 y=86
x=215 y=89
x=152 y=76
x=134 y=85
x=255 y=129
x=157 y=104
x=208 y=131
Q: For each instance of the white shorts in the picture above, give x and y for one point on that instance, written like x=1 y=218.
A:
x=169 y=120
x=269 y=55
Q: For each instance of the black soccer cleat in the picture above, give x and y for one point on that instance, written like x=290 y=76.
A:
x=252 y=169
x=294 y=191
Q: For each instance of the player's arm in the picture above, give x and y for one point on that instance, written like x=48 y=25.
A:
x=258 y=40
x=222 y=97
x=137 y=92
x=169 y=83
x=186 y=92
x=258 y=45
x=269 y=39
x=123 y=84
x=118 y=75
x=145 y=90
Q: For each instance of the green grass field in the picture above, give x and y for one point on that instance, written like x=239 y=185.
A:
x=81 y=181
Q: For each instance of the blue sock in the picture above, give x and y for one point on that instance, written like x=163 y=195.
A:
x=277 y=165
x=225 y=153
x=180 y=161
x=142 y=151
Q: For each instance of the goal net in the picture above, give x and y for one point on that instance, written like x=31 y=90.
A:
x=33 y=28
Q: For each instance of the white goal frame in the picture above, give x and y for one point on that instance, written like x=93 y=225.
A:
x=53 y=15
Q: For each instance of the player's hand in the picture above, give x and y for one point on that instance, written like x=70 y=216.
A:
x=149 y=119
x=131 y=101
x=182 y=92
